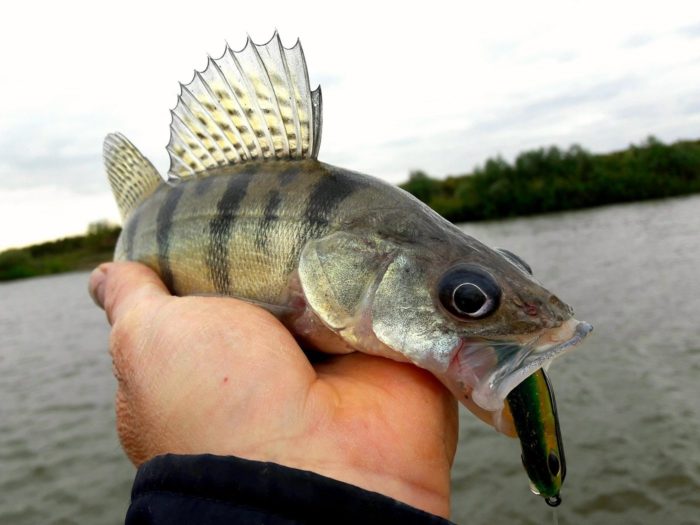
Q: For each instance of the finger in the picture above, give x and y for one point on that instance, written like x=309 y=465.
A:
x=118 y=287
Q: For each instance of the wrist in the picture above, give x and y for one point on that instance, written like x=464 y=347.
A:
x=187 y=488
x=424 y=483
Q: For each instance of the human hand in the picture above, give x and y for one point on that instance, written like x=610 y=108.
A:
x=217 y=375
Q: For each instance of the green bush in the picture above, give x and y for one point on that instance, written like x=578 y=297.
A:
x=62 y=255
x=550 y=179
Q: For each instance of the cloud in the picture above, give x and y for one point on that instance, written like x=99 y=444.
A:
x=692 y=106
x=42 y=214
x=691 y=31
x=571 y=97
x=526 y=115
x=53 y=152
x=638 y=40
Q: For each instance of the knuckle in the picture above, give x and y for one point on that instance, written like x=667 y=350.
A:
x=124 y=348
x=115 y=293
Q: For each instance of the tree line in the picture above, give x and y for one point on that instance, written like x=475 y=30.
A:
x=81 y=252
x=552 y=179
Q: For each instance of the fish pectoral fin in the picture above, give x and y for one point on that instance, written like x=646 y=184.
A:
x=339 y=274
x=249 y=105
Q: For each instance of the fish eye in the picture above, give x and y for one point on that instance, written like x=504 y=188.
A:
x=469 y=292
x=518 y=261
x=553 y=464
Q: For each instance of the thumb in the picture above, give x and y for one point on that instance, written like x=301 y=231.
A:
x=119 y=287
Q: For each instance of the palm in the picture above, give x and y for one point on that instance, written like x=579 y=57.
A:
x=220 y=376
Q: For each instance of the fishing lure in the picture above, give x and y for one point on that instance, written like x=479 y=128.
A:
x=536 y=422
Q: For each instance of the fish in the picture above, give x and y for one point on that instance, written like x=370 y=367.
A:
x=345 y=260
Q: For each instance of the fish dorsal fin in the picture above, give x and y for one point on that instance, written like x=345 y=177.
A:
x=131 y=175
x=249 y=105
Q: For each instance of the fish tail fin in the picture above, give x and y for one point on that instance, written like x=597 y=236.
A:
x=131 y=175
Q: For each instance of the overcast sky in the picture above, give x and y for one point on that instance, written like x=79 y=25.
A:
x=439 y=88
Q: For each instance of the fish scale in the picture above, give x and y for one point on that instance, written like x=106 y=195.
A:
x=346 y=261
x=254 y=220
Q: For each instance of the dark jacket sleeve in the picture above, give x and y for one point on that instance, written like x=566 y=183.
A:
x=212 y=490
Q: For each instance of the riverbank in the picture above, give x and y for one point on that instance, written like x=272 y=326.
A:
x=81 y=252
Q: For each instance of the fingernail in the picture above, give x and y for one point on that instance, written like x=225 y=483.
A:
x=96 y=285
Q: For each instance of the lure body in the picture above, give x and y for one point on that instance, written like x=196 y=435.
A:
x=536 y=421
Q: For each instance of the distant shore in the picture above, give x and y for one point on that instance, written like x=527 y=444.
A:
x=81 y=252
x=538 y=181
x=551 y=179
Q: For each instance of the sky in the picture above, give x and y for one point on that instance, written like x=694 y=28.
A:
x=440 y=87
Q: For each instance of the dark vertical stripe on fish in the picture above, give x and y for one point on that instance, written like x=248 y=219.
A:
x=220 y=228
x=288 y=175
x=130 y=233
x=268 y=220
x=327 y=195
x=202 y=185
x=329 y=192
x=164 y=226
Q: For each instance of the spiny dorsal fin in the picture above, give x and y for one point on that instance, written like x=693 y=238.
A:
x=252 y=104
x=131 y=175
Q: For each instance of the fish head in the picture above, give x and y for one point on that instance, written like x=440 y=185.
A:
x=472 y=315
x=475 y=316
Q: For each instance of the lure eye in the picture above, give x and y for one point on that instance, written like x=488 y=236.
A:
x=518 y=261
x=469 y=292
x=553 y=464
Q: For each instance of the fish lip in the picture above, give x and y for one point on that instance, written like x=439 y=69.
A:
x=491 y=391
x=543 y=355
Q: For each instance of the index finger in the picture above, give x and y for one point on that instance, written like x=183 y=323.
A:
x=118 y=287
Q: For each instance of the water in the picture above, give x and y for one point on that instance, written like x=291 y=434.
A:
x=628 y=399
x=60 y=460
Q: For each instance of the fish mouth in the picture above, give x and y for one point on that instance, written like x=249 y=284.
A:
x=491 y=369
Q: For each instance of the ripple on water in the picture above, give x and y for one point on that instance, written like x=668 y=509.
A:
x=21 y=514
x=675 y=484
x=618 y=502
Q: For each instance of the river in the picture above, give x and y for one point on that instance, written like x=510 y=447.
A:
x=629 y=398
